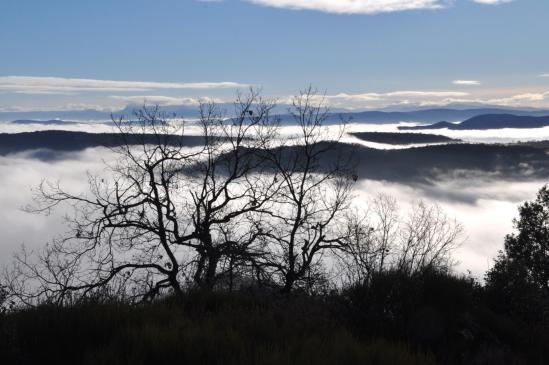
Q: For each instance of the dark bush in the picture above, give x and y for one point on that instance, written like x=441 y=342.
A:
x=205 y=329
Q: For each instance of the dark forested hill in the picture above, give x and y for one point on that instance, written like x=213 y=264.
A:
x=402 y=138
x=424 y=164
x=431 y=163
x=76 y=141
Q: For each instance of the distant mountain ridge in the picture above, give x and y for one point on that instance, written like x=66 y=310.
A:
x=488 y=121
x=434 y=115
x=418 y=116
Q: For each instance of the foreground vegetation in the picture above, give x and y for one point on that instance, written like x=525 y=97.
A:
x=426 y=318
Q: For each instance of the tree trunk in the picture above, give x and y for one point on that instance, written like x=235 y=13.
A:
x=209 y=280
x=289 y=281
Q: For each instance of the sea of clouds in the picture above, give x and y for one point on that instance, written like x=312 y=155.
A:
x=483 y=205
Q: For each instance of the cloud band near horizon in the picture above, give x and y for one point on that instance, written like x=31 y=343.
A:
x=61 y=85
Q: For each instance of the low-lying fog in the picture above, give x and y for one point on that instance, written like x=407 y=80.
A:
x=507 y=135
x=485 y=207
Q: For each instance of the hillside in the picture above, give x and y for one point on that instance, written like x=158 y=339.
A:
x=65 y=141
x=402 y=138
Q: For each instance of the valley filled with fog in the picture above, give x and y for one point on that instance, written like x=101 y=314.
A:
x=484 y=203
x=504 y=135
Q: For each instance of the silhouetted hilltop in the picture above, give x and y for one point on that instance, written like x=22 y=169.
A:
x=402 y=138
x=489 y=121
x=425 y=164
x=439 y=125
x=536 y=144
x=446 y=161
x=77 y=141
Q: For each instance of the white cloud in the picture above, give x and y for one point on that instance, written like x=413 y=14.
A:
x=466 y=82
x=364 y=6
x=61 y=85
x=164 y=100
x=380 y=100
x=520 y=99
x=59 y=107
x=544 y=75
x=393 y=94
x=355 y=6
x=37 y=91
x=436 y=98
x=491 y=2
x=436 y=94
x=156 y=99
x=517 y=100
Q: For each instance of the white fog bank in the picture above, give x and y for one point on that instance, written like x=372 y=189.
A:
x=486 y=214
x=505 y=135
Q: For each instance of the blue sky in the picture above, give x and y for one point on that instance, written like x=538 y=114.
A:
x=364 y=53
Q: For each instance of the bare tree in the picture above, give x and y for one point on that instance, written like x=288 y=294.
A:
x=4 y=304
x=371 y=240
x=379 y=239
x=163 y=209
x=316 y=186
x=121 y=232
x=428 y=238
x=229 y=186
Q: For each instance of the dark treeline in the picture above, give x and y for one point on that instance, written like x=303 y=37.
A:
x=250 y=250
x=428 y=164
x=402 y=138
x=78 y=141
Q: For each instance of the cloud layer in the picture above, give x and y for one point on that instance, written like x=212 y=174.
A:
x=466 y=82
x=354 y=6
x=434 y=98
x=486 y=221
x=492 y=2
x=365 y=6
x=61 y=85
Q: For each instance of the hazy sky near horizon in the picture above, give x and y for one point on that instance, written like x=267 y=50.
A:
x=104 y=54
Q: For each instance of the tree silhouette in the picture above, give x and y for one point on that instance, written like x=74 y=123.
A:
x=518 y=283
x=380 y=239
x=163 y=215
x=307 y=213
x=230 y=183
x=529 y=247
